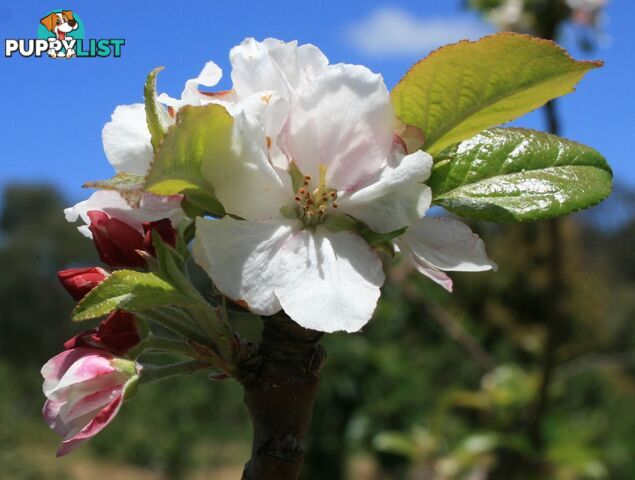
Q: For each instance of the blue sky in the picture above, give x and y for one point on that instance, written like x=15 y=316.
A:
x=54 y=110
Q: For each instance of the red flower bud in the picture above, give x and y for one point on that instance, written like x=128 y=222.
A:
x=117 y=334
x=79 y=281
x=116 y=241
x=165 y=230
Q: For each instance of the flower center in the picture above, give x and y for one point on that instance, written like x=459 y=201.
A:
x=312 y=205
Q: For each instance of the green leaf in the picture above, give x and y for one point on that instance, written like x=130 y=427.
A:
x=128 y=290
x=156 y=116
x=464 y=88
x=129 y=186
x=201 y=135
x=198 y=203
x=513 y=174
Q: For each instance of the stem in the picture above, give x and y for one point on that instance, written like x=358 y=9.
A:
x=170 y=345
x=281 y=384
x=168 y=320
x=152 y=373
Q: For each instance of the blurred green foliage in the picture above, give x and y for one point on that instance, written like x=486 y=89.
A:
x=438 y=386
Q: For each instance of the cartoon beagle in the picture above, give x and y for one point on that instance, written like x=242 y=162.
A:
x=60 y=24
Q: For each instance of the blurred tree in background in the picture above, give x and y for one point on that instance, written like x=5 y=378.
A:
x=438 y=386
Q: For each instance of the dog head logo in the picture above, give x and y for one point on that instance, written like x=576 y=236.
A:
x=60 y=23
x=62 y=28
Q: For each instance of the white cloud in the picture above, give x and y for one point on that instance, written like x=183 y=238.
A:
x=391 y=31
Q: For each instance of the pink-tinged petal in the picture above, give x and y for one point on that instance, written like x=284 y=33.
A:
x=239 y=258
x=435 y=275
x=328 y=281
x=408 y=137
x=397 y=199
x=342 y=120
x=56 y=367
x=447 y=244
x=95 y=426
x=89 y=404
x=88 y=368
x=424 y=267
x=51 y=414
x=126 y=140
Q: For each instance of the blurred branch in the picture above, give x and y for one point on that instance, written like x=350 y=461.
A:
x=456 y=331
x=584 y=364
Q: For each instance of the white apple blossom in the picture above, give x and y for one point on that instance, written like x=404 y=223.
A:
x=314 y=144
x=288 y=252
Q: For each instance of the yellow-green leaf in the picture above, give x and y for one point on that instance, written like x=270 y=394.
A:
x=129 y=290
x=200 y=136
x=464 y=88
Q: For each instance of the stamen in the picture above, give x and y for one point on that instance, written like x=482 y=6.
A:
x=313 y=204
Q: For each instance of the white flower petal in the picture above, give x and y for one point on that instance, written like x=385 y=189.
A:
x=274 y=65
x=342 y=120
x=209 y=76
x=328 y=281
x=447 y=244
x=271 y=111
x=191 y=95
x=424 y=267
x=239 y=257
x=151 y=208
x=247 y=184
x=126 y=140
x=397 y=199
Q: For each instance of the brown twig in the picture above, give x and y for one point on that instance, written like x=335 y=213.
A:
x=281 y=382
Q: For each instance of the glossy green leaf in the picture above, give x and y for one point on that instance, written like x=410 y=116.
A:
x=464 y=88
x=156 y=116
x=129 y=186
x=201 y=135
x=511 y=175
x=128 y=290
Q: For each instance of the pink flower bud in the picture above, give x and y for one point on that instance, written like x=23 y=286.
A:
x=116 y=241
x=117 y=334
x=165 y=230
x=84 y=388
x=79 y=281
